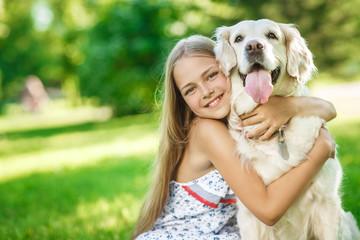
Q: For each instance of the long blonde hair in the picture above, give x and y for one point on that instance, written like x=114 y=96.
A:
x=174 y=128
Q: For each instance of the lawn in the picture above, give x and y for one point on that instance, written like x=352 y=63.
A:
x=83 y=176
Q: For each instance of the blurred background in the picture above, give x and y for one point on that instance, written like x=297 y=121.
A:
x=79 y=101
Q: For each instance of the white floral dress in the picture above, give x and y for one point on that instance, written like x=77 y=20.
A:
x=200 y=209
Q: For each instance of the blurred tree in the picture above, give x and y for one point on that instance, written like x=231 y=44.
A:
x=15 y=43
x=32 y=42
x=124 y=54
x=114 y=50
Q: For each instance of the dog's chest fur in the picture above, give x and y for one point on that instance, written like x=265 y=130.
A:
x=300 y=134
x=264 y=156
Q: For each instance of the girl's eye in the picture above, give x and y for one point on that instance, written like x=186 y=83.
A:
x=212 y=75
x=190 y=90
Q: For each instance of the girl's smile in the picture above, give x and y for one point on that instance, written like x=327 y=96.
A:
x=215 y=102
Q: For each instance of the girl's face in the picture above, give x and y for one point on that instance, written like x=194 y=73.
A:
x=204 y=88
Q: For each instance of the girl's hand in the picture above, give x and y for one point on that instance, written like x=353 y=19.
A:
x=325 y=142
x=279 y=110
x=271 y=116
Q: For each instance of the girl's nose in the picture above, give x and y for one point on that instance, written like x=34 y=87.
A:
x=206 y=90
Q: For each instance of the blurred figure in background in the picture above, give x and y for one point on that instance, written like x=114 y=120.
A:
x=34 y=97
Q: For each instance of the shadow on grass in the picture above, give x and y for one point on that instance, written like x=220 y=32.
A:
x=114 y=123
x=45 y=206
x=79 y=135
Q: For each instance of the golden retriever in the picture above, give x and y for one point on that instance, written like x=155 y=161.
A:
x=262 y=59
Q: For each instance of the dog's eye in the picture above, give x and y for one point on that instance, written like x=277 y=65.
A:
x=271 y=35
x=239 y=38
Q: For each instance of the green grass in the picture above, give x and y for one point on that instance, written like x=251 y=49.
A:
x=84 y=177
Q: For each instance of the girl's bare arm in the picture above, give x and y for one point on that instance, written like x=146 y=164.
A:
x=267 y=203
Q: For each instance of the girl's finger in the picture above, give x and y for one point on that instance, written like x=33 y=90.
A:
x=240 y=123
x=252 y=120
x=247 y=115
x=268 y=133
x=257 y=131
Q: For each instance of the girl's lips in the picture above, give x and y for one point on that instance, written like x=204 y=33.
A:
x=214 y=102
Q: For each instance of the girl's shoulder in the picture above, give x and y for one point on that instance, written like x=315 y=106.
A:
x=209 y=129
x=206 y=125
x=212 y=137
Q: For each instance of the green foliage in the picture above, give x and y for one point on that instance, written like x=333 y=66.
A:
x=124 y=52
x=22 y=51
x=114 y=51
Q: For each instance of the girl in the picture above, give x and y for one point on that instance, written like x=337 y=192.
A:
x=197 y=174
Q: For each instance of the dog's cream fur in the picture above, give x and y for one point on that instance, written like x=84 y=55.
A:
x=317 y=214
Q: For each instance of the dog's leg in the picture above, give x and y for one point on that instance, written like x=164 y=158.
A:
x=348 y=229
x=327 y=220
x=326 y=206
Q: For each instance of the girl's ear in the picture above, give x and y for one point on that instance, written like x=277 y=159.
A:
x=300 y=63
x=224 y=53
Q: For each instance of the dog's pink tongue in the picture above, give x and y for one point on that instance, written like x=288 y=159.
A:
x=258 y=85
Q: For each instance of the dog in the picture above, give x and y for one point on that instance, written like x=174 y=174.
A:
x=263 y=58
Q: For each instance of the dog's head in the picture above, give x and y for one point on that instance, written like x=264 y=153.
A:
x=266 y=55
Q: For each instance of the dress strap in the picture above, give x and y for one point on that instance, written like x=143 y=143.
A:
x=211 y=189
x=214 y=183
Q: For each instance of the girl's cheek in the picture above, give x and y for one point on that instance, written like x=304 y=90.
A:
x=228 y=86
x=228 y=101
x=192 y=103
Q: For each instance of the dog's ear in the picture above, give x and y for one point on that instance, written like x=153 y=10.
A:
x=300 y=63
x=225 y=54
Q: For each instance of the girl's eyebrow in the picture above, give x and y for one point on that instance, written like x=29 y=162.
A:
x=182 y=89
x=203 y=75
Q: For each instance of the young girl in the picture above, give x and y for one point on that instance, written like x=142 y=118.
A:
x=197 y=174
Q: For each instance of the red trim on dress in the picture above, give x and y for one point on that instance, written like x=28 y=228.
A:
x=199 y=198
x=231 y=200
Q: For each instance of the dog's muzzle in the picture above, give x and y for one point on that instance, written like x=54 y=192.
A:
x=254 y=51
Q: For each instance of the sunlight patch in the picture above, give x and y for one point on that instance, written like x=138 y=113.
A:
x=58 y=114
x=104 y=214
x=55 y=160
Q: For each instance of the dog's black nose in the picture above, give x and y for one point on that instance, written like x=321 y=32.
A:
x=254 y=46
